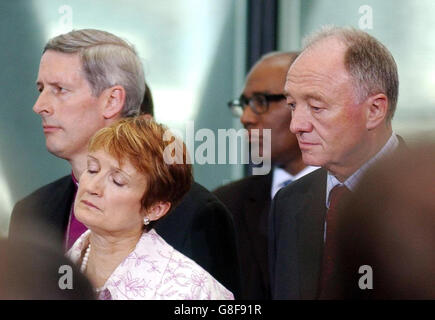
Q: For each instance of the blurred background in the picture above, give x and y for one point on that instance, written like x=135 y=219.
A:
x=195 y=54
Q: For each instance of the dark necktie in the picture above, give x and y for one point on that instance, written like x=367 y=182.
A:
x=327 y=281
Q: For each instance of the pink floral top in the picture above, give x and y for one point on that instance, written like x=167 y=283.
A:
x=154 y=270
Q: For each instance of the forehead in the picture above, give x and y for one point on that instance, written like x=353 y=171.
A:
x=57 y=66
x=267 y=76
x=321 y=66
x=105 y=158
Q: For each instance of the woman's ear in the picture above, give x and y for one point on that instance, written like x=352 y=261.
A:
x=377 y=110
x=157 y=210
x=115 y=100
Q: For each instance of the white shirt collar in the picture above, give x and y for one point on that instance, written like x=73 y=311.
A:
x=280 y=176
x=352 y=182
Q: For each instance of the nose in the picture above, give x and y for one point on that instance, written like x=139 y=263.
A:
x=43 y=105
x=300 y=121
x=248 y=117
x=92 y=183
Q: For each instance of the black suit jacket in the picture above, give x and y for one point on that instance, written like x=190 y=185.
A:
x=296 y=230
x=249 y=201
x=296 y=225
x=200 y=227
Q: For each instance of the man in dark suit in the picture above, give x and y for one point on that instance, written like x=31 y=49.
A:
x=262 y=106
x=87 y=80
x=342 y=91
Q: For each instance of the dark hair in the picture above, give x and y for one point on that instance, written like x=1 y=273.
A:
x=147 y=106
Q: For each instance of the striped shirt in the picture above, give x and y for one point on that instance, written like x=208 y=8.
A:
x=352 y=182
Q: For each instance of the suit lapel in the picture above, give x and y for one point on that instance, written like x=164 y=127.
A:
x=310 y=237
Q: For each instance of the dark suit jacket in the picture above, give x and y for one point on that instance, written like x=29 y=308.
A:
x=200 y=227
x=296 y=224
x=296 y=230
x=249 y=201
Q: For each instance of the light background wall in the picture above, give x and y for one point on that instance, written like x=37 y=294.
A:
x=405 y=27
x=190 y=50
x=193 y=52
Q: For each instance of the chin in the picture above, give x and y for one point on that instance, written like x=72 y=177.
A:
x=55 y=150
x=312 y=160
x=79 y=215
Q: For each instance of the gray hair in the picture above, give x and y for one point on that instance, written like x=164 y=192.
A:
x=368 y=62
x=107 y=60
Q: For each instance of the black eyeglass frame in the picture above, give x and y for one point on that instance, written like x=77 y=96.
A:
x=259 y=103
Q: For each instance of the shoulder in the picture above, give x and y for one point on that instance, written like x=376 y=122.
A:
x=242 y=186
x=200 y=194
x=199 y=201
x=302 y=185
x=59 y=186
x=311 y=187
x=44 y=211
x=43 y=199
x=185 y=278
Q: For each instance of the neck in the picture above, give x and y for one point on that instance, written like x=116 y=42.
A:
x=376 y=142
x=107 y=252
x=295 y=166
x=78 y=165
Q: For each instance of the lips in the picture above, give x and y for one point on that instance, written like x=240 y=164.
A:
x=90 y=204
x=49 y=129
x=305 y=144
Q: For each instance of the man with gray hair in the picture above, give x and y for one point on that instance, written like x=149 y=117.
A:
x=87 y=80
x=342 y=91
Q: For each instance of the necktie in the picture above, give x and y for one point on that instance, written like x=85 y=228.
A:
x=327 y=283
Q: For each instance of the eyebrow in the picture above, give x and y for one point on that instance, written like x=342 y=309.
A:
x=314 y=96
x=265 y=92
x=56 y=83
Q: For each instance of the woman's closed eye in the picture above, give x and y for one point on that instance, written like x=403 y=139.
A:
x=119 y=181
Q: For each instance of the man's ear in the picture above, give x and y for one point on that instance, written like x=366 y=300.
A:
x=157 y=210
x=377 y=110
x=115 y=100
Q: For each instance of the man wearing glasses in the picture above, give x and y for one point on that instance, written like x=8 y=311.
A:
x=262 y=105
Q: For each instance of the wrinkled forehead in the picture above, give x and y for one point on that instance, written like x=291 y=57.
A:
x=327 y=53
x=61 y=66
x=323 y=58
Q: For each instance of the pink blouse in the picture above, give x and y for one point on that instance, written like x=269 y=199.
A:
x=154 y=270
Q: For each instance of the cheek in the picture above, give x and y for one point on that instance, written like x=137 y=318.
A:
x=126 y=202
x=280 y=122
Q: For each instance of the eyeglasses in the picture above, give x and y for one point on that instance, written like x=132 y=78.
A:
x=259 y=103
